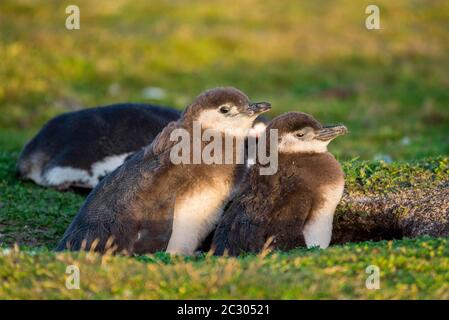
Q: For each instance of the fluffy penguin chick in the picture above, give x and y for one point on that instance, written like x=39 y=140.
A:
x=150 y=204
x=295 y=206
x=77 y=149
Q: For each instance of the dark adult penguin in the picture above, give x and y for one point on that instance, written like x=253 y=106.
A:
x=150 y=204
x=293 y=207
x=77 y=149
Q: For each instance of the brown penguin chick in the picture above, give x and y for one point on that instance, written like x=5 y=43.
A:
x=294 y=206
x=150 y=203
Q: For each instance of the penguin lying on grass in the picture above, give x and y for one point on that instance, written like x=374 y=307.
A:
x=295 y=206
x=150 y=204
x=77 y=149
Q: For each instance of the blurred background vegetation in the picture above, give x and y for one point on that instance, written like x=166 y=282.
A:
x=389 y=86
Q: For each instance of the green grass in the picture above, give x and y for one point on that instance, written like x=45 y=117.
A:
x=409 y=269
x=30 y=214
x=390 y=87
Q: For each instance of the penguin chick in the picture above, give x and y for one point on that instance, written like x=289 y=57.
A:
x=150 y=204
x=293 y=207
x=77 y=149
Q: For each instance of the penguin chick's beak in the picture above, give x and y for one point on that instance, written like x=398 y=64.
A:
x=257 y=108
x=331 y=132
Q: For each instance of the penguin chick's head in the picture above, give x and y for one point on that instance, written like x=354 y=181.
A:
x=225 y=109
x=300 y=132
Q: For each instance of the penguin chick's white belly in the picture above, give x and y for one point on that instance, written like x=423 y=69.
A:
x=318 y=229
x=57 y=176
x=196 y=214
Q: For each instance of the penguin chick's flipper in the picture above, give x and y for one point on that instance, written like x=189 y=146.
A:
x=220 y=241
x=155 y=235
x=288 y=220
x=245 y=229
x=281 y=228
x=238 y=232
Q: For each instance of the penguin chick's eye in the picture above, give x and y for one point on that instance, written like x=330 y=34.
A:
x=224 y=109
x=300 y=134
